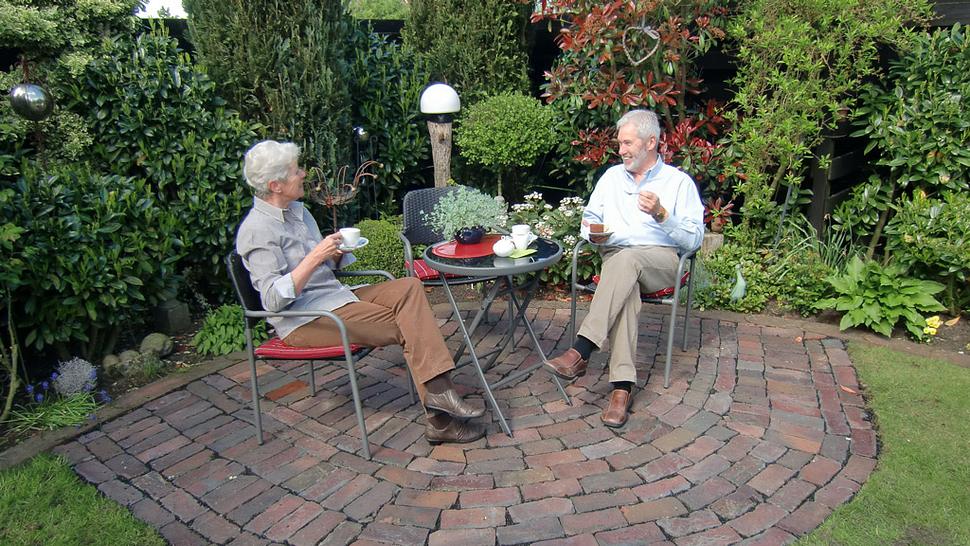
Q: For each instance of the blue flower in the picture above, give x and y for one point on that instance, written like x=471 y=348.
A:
x=92 y=417
x=45 y=385
x=30 y=388
x=103 y=396
x=53 y=376
x=39 y=397
x=94 y=374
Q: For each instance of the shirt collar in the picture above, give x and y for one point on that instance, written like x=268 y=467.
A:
x=276 y=213
x=651 y=172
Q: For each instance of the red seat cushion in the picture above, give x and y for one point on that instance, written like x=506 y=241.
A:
x=276 y=348
x=424 y=272
x=659 y=294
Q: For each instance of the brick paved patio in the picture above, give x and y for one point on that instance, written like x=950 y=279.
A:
x=760 y=436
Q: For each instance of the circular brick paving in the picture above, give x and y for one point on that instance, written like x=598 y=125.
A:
x=760 y=436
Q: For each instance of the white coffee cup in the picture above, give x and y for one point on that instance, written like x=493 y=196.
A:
x=349 y=237
x=522 y=240
x=521 y=229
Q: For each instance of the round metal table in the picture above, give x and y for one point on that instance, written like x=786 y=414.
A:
x=548 y=252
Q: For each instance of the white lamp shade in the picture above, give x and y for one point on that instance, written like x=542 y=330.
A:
x=440 y=98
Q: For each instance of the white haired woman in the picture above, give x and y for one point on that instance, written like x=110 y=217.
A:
x=291 y=265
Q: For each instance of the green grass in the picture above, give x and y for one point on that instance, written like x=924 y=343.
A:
x=920 y=490
x=42 y=502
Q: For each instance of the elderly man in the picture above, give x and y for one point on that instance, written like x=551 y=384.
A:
x=291 y=265
x=650 y=211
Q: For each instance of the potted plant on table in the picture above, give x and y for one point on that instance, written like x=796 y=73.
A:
x=467 y=214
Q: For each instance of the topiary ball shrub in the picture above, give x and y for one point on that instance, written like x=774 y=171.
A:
x=506 y=131
x=384 y=251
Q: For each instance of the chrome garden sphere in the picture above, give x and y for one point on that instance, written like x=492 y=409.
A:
x=31 y=101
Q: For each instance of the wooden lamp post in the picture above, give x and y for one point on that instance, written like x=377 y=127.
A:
x=439 y=101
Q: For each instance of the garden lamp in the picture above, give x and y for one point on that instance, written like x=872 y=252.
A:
x=439 y=101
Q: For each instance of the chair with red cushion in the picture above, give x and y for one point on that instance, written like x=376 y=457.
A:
x=415 y=231
x=276 y=349
x=669 y=296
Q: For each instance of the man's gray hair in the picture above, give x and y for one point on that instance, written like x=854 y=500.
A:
x=644 y=120
x=267 y=161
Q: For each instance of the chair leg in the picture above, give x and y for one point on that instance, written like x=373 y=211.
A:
x=690 y=304
x=670 y=336
x=254 y=386
x=313 y=379
x=358 y=408
x=410 y=381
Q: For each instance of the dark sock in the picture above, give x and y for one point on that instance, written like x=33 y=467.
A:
x=439 y=383
x=584 y=347
x=623 y=385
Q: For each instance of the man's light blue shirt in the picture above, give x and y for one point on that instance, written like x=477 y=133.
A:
x=272 y=242
x=614 y=203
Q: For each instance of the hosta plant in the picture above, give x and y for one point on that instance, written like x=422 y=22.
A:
x=223 y=331
x=878 y=297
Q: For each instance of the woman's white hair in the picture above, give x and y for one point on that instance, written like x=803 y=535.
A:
x=267 y=161
x=644 y=120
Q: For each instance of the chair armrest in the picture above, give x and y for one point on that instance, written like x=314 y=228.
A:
x=364 y=273
x=408 y=254
x=308 y=313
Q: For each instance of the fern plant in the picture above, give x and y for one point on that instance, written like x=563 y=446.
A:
x=878 y=297
x=224 y=331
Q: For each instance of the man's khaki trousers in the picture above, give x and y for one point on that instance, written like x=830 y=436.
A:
x=616 y=304
x=389 y=313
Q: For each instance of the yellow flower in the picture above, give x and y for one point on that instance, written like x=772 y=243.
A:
x=934 y=322
x=929 y=330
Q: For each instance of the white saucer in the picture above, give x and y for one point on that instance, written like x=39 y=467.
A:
x=606 y=234
x=361 y=243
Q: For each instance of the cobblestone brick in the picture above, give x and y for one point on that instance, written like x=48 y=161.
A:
x=409 y=515
x=667 y=507
x=394 y=534
x=634 y=535
x=762 y=517
x=693 y=523
x=464 y=537
x=599 y=501
x=533 y=531
x=473 y=518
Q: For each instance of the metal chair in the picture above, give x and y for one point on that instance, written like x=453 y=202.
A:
x=669 y=296
x=416 y=232
x=276 y=349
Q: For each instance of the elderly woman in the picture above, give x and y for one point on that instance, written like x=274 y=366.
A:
x=291 y=265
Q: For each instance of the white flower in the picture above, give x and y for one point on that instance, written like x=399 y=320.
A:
x=569 y=240
x=548 y=206
x=568 y=213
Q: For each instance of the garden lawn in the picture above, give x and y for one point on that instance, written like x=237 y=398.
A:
x=43 y=502
x=920 y=490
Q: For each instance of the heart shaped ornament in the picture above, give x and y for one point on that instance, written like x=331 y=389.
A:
x=632 y=39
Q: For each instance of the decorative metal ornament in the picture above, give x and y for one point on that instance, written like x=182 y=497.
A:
x=651 y=34
x=31 y=101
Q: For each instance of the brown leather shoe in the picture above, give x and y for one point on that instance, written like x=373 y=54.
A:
x=457 y=431
x=615 y=414
x=568 y=365
x=451 y=403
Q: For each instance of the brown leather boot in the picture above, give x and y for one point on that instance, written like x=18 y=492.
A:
x=568 y=365
x=615 y=413
x=456 y=431
x=452 y=403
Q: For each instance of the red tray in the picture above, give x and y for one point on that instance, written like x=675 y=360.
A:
x=452 y=249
